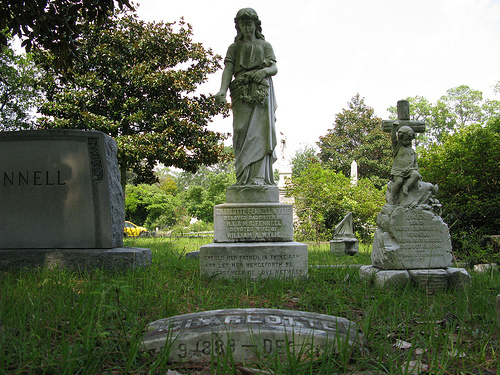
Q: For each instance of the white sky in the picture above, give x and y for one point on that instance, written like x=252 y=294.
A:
x=329 y=50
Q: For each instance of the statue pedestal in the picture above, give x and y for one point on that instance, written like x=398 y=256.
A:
x=253 y=240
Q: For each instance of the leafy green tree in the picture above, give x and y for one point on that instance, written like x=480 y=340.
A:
x=357 y=135
x=467 y=168
x=465 y=103
x=152 y=206
x=323 y=198
x=18 y=90
x=302 y=159
x=206 y=189
x=137 y=82
x=53 y=25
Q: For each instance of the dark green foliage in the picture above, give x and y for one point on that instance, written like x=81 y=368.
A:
x=467 y=169
x=357 y=136
x=53 y=25
x=136 y=82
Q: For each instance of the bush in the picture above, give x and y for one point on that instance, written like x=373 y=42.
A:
x=323 y=198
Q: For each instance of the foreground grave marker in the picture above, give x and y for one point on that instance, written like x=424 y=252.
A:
x=61 y=201
x=246 y=333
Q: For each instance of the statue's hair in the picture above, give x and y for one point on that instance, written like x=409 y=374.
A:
x=248 y=13
x=407 y=130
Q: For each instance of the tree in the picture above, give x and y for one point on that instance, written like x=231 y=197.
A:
x=18 y=90
x=439 y=120
x=206 y=188
x=152 y=206
x=323 y=198
x=302 y=159
x=136 y=82
x=465 y=103
x=53 y=25
x=466 y=168
x=357 y=135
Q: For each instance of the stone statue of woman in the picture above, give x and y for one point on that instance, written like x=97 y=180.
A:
x=251 y=61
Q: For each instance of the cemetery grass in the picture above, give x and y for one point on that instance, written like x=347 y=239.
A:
x=61 y=322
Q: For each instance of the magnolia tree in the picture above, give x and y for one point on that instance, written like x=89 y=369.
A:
x=136 y=81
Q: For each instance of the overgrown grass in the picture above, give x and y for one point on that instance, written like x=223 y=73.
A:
x=60 y=322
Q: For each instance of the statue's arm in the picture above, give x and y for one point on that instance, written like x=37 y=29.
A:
x=394 y=136
x=227 y=75
x=261 y=74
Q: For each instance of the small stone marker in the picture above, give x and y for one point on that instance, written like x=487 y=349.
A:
x=343 y=241
x=243 y=333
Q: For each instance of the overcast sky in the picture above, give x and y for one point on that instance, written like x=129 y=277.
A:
x=329 y=50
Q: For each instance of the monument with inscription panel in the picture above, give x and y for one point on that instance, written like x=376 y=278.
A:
x=61 y=202
x=253 y=232
x=412 y=242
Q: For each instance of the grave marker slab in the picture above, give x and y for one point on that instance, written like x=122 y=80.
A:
x=58 y=190
x=61 y=202
x=243 y=333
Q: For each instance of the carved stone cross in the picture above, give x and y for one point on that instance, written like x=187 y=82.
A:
x=403 y=107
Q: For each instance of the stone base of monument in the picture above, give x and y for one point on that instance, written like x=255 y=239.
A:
x=253 y=240
x=344 y=246
x=254 y=260
x=247 y=334
x=432 y=280
x=252 y=193
x=117 y=259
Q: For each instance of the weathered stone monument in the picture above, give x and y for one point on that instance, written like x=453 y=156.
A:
x=411 y=243
x=248 y=334
x=344 y=241
x=61 y=202
x=253 y=231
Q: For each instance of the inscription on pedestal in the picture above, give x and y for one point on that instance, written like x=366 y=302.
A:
x=260 y=260
x=258 y=222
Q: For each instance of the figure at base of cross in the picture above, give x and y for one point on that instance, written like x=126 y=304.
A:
x=404 y=172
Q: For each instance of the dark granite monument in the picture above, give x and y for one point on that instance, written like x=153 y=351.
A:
x=61 y=202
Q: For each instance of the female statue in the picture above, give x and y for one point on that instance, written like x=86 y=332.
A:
x=251 y=61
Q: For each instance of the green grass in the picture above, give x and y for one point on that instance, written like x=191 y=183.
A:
x=60 y=322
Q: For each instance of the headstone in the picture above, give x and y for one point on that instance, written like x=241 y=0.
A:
x=354 y=173
x=253 y=231
x=247 y=334
x=343 y=241
x=61 y=201
x=411 y=235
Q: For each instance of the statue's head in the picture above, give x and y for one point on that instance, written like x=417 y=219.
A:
x=248 y=14
x=406 y=130
x=405 y=135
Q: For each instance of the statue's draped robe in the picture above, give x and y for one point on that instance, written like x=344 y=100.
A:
x=253 y=105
